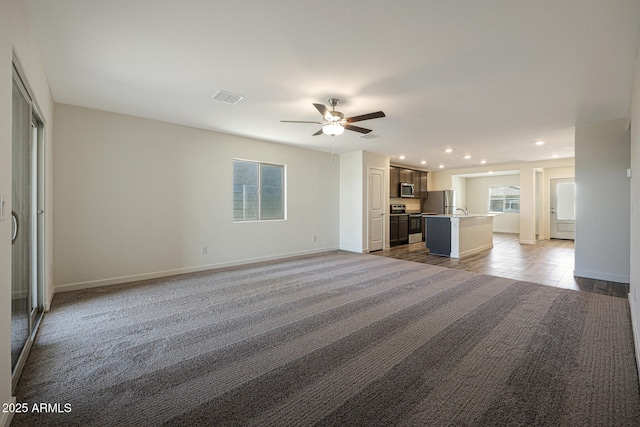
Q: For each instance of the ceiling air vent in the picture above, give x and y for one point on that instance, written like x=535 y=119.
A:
x=228 y=97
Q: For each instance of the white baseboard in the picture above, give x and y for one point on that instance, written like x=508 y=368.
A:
x=601 y=276
x=636 y=333
x=47 y=303
x=154 y=275
x=6 y=417
x=476 y=250
x=528 y=242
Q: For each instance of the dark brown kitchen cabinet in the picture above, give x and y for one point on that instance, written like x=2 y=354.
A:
x=403 y=229
x=393 y=230
x=398 y=174
x=394 y=181
x=423 y=185
x=406 y=175
x=416 y=183
x=398 y=229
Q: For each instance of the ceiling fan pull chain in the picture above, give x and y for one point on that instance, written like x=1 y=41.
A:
x=332 y=151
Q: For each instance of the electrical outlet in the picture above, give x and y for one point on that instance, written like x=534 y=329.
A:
x=1 y=207
x=315 y=238
x=204 y=250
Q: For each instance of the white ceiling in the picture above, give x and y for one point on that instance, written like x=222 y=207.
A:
x=486 y=78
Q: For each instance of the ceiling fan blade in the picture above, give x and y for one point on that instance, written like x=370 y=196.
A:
x=357 y=129
x=317 y=133
x=298 y=121
x=323 y=110
x=369 y=116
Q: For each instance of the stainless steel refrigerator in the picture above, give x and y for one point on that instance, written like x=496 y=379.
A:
x=440 y=202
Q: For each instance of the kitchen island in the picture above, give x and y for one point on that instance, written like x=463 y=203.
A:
x=456 y=236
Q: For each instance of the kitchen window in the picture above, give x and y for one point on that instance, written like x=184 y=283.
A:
x=258 y=191
x=505 y=199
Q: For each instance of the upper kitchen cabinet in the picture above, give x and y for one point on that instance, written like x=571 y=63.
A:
x=398 y=174
x=423 y=185
x=416 y=184
x=406 y=175
x=394 y=181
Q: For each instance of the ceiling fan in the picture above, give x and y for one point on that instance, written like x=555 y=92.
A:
x=334 y=122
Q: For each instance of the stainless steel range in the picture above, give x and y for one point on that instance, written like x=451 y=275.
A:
x=414 y=219
x=415 y=227
x=399 y=209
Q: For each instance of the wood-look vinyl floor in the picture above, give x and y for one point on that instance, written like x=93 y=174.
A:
x=549 y=262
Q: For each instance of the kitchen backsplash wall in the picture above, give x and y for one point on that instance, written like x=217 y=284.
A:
x=412 y=204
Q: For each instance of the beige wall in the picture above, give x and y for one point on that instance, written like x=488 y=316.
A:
x=477 y=200
x=351 y=201
x=137 y=198
x=602 y=201
x=411 y=204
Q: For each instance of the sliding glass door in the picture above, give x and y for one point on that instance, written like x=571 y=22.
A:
x=27 y=198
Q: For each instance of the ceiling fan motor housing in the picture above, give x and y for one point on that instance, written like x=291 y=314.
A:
x=336 y=116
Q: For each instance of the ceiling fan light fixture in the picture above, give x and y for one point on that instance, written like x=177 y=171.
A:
x=332 y=129
x=334 y=123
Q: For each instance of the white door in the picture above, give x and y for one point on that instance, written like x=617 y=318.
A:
x=376 y=209
x=562 y=222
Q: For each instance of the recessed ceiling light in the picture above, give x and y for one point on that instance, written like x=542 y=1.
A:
x=424 y=162
x=441 y=166
x=554 y=156
x=467 y=156
x=483 y=161
x=539 y=142
x=448 y=150
x=401 y=157
x=490 y=171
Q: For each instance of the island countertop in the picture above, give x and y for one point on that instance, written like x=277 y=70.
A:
x=430 y=215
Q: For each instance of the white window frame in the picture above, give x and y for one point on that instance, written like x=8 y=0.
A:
x=504 y=199
x=259 y=192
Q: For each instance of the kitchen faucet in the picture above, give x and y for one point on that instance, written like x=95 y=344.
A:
x=465 y=211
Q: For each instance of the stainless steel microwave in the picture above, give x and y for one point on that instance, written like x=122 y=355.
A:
x=407 y=189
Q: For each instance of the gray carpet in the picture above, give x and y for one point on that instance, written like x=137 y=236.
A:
x=331 y=340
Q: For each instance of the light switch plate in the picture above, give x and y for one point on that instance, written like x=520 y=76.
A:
x=1 y=207
x=629 y=173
